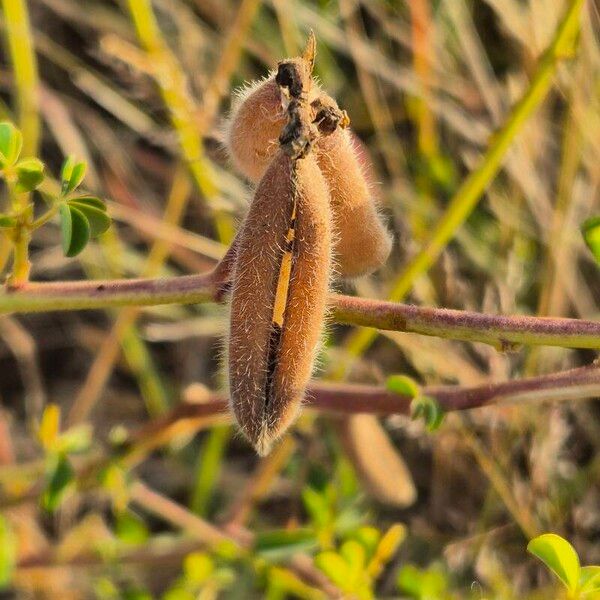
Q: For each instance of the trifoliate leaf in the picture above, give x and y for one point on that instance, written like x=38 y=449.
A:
x=98 y=220
x=71 y=174
x=429 y=409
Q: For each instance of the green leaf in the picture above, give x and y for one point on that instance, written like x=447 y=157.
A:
x=92 y=201
x=8 y=552
x=369 y=538
x=130 y=529
x=115 y=480
x=11 y=142
x=66 y=227
x=81 y=232
x=198 y=567
x=335 y=567
x=559 y=556
x=282 y=543
x=429 y=409
x=98 y=220
x=403 y=385
x=76 y=439
x=590 y=230
x=30 y=173
x=426 y=584
x=60 y=478
x=71 y=174
x=6 y=221
x=354 y=554
x=589 y=580
x=317 y=507
x=75 y=230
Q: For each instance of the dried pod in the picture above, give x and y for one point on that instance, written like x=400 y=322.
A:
x=378 y=463
x=279 y=297
x=257 y=118
x=363 y=243
x=259 y=112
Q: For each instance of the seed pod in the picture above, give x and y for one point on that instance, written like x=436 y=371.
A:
x=363 y=243
x=259 y=113
x=279 y=296
x=256 y=121
x=378 y=463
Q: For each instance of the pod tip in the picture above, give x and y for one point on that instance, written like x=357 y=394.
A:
x=310 y=50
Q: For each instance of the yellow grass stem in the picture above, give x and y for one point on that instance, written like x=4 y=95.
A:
x=22 y=56
x=174 y=89
x=467 y=196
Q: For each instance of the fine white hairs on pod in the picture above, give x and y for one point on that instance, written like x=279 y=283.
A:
x=278 y=297
x=362 y=242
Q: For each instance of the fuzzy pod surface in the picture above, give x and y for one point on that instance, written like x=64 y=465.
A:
x=278 y=298
x=362 y=242
x=256 y=120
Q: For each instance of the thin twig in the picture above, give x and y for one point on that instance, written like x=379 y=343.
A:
x=341 y=398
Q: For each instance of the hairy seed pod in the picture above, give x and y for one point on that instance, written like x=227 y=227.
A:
x=363 y=243
x=259 y=112
x=257 y=118
x=279 y=297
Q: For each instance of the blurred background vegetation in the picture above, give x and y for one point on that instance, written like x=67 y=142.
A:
x=342 y=508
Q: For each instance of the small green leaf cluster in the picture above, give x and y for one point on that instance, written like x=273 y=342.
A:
x=82 y=216
x=349 y=552
x=422 y=406
x=430 y=583
x=201 y=573
x=359 y=560
x=562 y=559
x=26 y=174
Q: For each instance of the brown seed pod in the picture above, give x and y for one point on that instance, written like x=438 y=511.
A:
x=378 y=463
x=279 y=296
x=257 y=118
x=363 y=243
x=258 y=114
